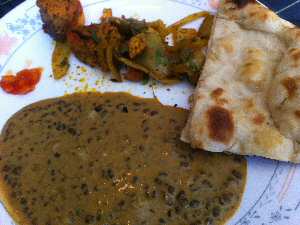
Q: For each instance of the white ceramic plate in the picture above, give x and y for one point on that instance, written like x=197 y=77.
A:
x=272 y=194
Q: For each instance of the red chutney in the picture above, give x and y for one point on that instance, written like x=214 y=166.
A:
x=21 y=83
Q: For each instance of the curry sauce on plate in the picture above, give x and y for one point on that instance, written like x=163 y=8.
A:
x=112 y=159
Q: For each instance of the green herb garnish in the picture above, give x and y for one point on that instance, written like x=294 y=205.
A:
x=194 y=66
x=95 y=37
x=77 y=211
x=123 y=48
x=160 y=58
x=145 y=80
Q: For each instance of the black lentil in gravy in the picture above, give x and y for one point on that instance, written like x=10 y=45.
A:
x=112 y=159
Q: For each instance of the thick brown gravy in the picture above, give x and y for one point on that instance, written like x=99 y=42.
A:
x=112 y=159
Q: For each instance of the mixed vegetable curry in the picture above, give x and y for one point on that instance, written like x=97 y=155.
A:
x=137 y=47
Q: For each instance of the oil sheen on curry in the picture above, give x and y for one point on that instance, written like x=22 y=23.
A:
x=112 y=159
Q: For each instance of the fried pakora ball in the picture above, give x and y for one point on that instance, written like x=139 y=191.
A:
x=60 y=16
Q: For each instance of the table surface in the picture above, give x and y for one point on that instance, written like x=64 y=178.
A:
x=288 y=9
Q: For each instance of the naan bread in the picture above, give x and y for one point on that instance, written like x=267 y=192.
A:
x=247 y=100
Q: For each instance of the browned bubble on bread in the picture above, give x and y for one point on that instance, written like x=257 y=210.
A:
x=220 y=124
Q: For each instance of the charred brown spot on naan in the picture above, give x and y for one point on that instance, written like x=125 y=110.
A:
x=242 y=3
x=292 y=35
x=295 y=53
x=259 y=15
x=297 y=114
x=253 y=70
x=259 y=119
x=250 y=69
x=227 y=45
x=296 y=32
x=220 y=124
x=295 y=56
x=248 y=14
x=267 y=139
x=290 y=85
x=254 y=52
x=249 y=103
x=215 y=94
x=263 y=16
